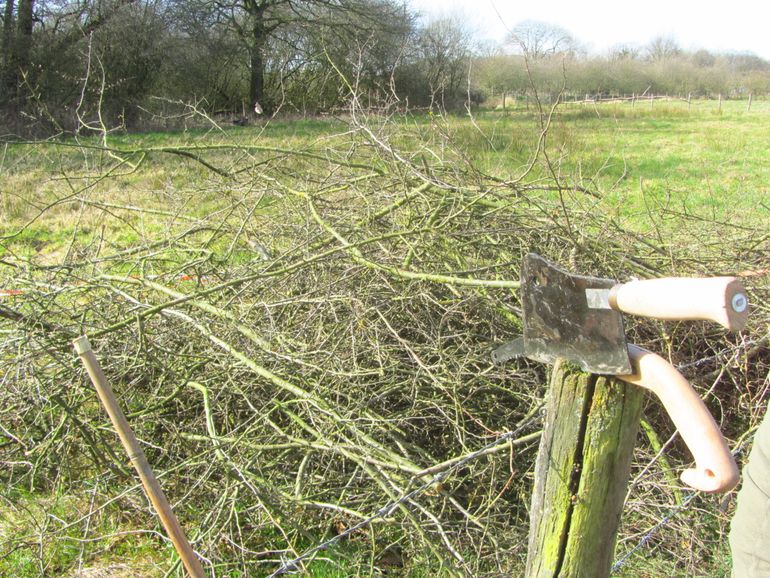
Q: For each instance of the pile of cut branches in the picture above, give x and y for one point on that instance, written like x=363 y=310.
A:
x=307 y=359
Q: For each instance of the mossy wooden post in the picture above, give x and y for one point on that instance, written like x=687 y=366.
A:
x=582 y=472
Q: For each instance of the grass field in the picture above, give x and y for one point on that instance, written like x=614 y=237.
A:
x=642 y=162
x=642 y=159
x=359 y=253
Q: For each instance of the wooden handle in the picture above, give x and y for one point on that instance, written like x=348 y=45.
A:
x=719 y=299
x=715 y=469
x=138 y=460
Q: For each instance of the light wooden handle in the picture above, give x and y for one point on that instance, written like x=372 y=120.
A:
x=719 y=299
x=138 y=460
x=715 y=469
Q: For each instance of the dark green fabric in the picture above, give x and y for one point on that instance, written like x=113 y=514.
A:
x=750 y=527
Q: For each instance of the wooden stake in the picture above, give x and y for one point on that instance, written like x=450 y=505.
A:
x=138 y=460
x=582 y=472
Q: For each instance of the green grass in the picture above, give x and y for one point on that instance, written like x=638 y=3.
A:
x=35 y=540
x=672 y=157
x=669 y=158
x=37 y=537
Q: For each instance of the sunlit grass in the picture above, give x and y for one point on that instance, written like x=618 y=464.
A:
x=690 y=157
x=670 y=156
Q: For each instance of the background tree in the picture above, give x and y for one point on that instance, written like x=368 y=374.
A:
x=16 y=44
x=662 y=48
x=262 y=26
x=65 y=63
x=443 y=47
x=6 y=43
x=538 y=40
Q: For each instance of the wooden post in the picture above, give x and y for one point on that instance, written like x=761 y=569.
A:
x=503 y=101
x=689 y=101
x=719 y=109
x=581 y=474
x=138 y=460
x=748 y=106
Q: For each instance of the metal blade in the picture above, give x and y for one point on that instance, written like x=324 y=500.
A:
x=520 y=348
x=598 y=298
x=510 y=350
x=560 y=323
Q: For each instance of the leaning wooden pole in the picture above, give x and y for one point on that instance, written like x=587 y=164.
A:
x=581 y=474
x=136 y=455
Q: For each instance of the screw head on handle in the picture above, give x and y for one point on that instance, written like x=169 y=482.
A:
x=739 y=302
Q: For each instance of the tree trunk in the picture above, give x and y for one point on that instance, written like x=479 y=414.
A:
x=24 y=34
x=257 y=84
x=581 y=474
x=6 y=65
x=257 y=61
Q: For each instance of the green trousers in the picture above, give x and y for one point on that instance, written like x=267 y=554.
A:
x=750 y=527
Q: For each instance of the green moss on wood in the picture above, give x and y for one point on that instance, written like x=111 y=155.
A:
x=581 y=473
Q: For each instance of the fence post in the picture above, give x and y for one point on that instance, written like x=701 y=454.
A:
x=748 y=106
x=581 y=474
x=719 y=109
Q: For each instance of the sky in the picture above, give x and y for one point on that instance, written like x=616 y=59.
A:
x=734 y=26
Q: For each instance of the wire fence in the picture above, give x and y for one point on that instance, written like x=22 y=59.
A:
x=672 y=513
x=293 y=565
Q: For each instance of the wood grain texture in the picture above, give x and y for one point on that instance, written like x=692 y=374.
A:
x=581 y=474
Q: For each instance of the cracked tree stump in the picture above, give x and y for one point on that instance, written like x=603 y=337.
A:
x=581 y=474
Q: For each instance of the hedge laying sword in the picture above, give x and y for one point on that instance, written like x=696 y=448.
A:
x=579 y=319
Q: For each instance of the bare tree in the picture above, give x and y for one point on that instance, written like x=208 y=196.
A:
x=663 y=48
x=6 y=45
x=18 y=20
x=257 y=23
x=444 y=48
x=621 y=52
x=537 y=39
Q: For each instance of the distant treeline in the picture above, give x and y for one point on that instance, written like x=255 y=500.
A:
x=94 y=65
x=698 y=74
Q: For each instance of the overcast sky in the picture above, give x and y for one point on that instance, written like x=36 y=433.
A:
x=735 y=25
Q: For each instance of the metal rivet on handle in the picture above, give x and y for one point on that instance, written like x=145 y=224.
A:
x=740 y=302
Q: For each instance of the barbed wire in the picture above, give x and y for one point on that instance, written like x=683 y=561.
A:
x=673 y=513
x=730 y=351
x=652 y=531
x=292 y=566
